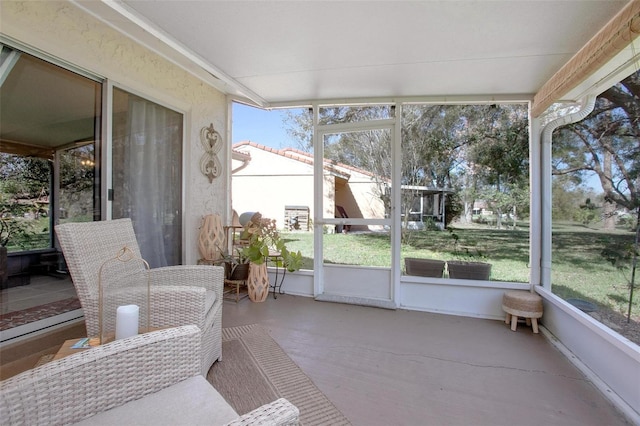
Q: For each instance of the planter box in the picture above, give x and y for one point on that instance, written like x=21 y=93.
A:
x=469 y=270
x=424 y=267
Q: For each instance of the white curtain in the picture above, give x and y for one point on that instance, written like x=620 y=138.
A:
x=147 y=176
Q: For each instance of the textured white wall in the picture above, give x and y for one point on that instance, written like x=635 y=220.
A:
x=270 y=182
x=63 y=31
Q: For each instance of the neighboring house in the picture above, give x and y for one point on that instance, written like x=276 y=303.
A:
x=427 y=205
x=279 y=184
x=481 y=207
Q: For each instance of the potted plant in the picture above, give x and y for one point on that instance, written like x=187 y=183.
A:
x=236 y=267
x=259 y=240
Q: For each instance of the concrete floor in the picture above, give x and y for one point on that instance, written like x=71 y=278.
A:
x=382 y=367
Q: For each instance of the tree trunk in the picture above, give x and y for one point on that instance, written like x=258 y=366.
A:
x=609 y=214
x=468 y=212
x=608 y=208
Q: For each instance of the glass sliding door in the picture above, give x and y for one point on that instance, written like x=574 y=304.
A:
x=50 y=125
x=147 y=175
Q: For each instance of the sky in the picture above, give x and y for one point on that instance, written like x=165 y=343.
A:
x=267 y=128
x=260 y=126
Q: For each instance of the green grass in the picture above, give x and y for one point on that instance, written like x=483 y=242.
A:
x=578 y=268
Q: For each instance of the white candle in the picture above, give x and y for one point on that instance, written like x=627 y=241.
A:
x=127 y=321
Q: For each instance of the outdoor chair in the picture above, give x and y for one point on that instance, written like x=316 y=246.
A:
x=179 y=295
x=148 y=379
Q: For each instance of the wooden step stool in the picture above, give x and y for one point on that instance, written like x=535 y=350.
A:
x=522 y=304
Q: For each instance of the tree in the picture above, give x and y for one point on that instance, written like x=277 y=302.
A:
x=468 y=148
x=434 y=138
x=499 y=151
x=568 y=197
x=368 y=150
x=606 y=143
x=299 y=127
x=25 y=184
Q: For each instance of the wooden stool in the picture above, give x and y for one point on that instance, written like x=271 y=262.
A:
x=522 y=304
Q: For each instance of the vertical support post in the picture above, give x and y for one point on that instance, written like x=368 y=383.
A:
x=396 y=210
x=535 y=200
x=318 y=203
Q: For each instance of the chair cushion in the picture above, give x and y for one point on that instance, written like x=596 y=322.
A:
x=189 y=402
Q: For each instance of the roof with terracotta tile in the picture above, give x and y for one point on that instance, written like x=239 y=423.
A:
x=302 y=156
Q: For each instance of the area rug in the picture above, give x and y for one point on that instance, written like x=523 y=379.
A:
x=36 y=313
x=254 y=370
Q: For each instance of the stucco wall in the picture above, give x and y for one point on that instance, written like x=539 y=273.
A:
x=270 y=182
x=366 y=195
x=64 y=31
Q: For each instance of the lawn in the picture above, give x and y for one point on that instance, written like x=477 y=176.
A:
x=579 y=271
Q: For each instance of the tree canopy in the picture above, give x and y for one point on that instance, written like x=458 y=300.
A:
x=606 y=143
x=475 y=150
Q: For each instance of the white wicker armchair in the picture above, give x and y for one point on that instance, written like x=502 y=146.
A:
x=180 y=295
x=152 y=378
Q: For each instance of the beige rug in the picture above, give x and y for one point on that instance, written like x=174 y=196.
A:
x=255 y=370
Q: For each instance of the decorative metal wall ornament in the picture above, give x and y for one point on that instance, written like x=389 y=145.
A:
x=211 y=140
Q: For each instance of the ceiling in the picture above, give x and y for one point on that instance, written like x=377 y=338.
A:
x=290 y=53
x=44 y=107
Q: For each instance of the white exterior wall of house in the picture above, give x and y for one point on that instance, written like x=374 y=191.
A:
x=360 y=197
x=65 y=32
x=270 y=182
x=329 y=194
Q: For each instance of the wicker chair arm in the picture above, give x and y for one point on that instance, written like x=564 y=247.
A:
x=175 y=305
x=171 y=306
x=277 y=413
x=98 y=379
x=209 y=277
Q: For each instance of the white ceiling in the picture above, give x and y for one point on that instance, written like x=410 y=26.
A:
x=292 y=52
